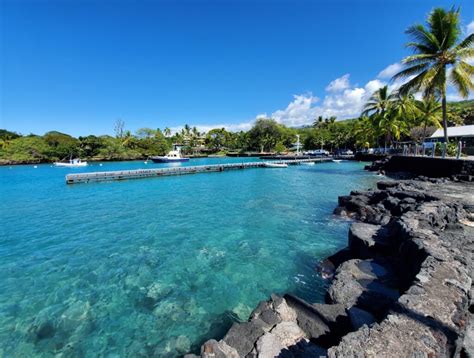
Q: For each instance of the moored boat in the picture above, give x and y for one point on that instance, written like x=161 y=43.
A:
x=275 y=165
x=73 y=163
x=173 y=156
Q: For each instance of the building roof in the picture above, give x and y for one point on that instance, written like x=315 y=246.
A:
x=461 y=131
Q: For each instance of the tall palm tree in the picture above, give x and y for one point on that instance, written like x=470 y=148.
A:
x=379 y=102
x=429 y=113
x=167 y=132
x=318 y=121
x=379 y=109
x=437 y=49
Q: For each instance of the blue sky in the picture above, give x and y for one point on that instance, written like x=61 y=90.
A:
x=77 y=66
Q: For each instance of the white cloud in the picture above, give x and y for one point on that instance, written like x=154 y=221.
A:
x=374 y=85
x=339 y=84
x=390 y=71
x=300 y=111
x=470 y=28
x=342 y=100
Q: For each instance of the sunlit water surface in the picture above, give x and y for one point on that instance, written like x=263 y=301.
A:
x=153 y=267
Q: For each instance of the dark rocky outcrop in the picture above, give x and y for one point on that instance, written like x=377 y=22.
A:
x=402 y=287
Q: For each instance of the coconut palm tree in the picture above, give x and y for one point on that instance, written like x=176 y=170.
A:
x=379 y=102
x=167 y=132
x=439 y=57
x=365 y=132
x=318 y=121
x=379 y=109
x=429 y=113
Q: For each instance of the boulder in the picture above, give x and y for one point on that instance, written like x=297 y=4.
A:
x=308 y=317
x=368 y=240
x=214 y=349
x=242 y=336
x=268 y=346
x=370 y=284
x=288 y=333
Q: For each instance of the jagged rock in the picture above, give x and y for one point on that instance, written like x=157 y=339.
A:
x=360 y=317
x=242 y=336
x=368 y=240
x=364 y=283
x=391 y=204
x=288 y=333
x=397 y=336
x=265 y=312
x=214 y=349
x=467 y=344
x=268 y=346
x=286 y=313
x=331 y=314
x=382 y=185
x=328 y=266
x=440 y=292
x=308 y=317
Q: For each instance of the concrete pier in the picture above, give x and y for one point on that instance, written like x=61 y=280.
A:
x=160 y=172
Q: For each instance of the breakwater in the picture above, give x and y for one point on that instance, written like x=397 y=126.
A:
x=401 y=288
x=462 y=169
x=173 y=171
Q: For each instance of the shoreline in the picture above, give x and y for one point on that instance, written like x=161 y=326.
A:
x=402 y=287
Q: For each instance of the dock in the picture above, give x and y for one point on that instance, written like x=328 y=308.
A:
x=172 y=171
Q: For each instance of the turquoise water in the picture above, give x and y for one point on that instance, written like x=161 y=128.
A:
x=153 y=267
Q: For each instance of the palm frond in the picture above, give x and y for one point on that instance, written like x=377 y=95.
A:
x=465 y=53
x=410 y=71
x=461 y=79
x=444 y=26
x=468 y=42
x=421 y=35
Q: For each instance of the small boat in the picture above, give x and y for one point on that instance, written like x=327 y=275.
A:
x=173 y=156
x=337 y=160
x=307 y=163
x=275 y=165
x=73 y=163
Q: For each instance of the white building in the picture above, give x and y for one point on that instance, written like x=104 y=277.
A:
x=465 y=134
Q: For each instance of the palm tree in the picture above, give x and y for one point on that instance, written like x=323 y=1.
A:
x=437 y=49
x=167 y=132
x=429 y=113
x=379 y=102
x=379 y=109
x=318 y=121
x=365 y=132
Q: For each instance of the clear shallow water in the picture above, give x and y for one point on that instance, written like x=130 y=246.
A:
x=156 y=266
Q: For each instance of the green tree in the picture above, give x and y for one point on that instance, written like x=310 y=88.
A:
x=62 y=145
x=217 y=138
x=264 y=135
x=26 y=149
x=429 y=113
x=438 y=49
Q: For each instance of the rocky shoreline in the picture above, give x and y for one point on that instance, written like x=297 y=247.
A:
x=402 y=287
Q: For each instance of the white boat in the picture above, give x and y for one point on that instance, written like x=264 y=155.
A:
x=173 y=156
x=307 y=163
x=73 y=163
x=337 y=160
x=275 y=165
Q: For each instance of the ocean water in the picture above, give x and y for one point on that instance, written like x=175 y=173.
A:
x=154 y=267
